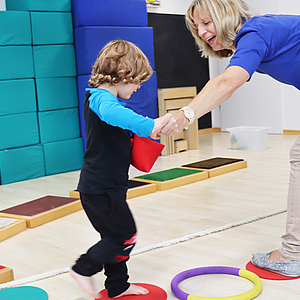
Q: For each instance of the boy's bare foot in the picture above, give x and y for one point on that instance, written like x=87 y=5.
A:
x=134 y=290
x=276 y=256
x=86 y=283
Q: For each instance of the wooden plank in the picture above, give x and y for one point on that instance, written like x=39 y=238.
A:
x=12 y=229
x=291 y=132
x=181 y=145
x=163 y=141
x=161 y=103
x=172 y=139
x=216 y=167
x=74 y=194
x=227 y=168
x=43 y=210
x=180 y=136
x=210 y=130
x=172 y=104
x=141 y=190
x=192 y=136
x=6 y=274
x=181 y=92
x=132 y=192
x=47 y=216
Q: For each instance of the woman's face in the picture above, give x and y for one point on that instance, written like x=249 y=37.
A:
x=207 y=30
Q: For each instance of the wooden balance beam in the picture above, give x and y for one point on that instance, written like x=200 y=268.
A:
x=43 y=210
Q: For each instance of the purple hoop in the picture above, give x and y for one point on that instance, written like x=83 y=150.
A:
x=198 y=271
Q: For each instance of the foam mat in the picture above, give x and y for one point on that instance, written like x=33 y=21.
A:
x=218 y=165
x=174 y=177
x=43 y=210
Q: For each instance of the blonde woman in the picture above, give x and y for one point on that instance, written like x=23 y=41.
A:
x=119 y=71
x=268 y=44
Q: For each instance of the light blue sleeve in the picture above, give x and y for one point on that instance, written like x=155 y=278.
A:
x=113 y=112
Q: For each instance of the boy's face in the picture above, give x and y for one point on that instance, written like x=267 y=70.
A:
x=126 y=90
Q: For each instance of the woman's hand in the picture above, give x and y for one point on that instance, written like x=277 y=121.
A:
x=170 y=124
x=159 y=124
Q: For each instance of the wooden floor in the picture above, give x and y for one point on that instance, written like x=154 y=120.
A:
x=167 y=215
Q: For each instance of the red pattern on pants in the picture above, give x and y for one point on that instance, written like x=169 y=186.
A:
x=131 y=242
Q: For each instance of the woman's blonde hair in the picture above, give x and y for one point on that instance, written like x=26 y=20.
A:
x=228 y=17
x=120 y=61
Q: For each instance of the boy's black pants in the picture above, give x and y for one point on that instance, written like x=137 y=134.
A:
x=112 y=218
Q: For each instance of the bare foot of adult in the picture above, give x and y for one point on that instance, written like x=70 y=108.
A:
x=134 y=290
x=86 y=283
x=276 y=256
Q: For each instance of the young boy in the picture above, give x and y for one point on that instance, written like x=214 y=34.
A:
x=119 y=70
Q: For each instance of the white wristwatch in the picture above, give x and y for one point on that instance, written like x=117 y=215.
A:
x=189 y=114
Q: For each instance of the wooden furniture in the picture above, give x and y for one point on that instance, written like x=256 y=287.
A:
x=170 y=100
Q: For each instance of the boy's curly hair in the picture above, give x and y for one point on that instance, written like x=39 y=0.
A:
x=120 y=61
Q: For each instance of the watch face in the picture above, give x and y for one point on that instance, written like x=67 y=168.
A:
x=189 y=113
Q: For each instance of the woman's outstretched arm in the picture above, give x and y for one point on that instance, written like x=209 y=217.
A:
x=215 y=92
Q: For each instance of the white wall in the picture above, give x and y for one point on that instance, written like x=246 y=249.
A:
x=263 y=101
x=2 y=5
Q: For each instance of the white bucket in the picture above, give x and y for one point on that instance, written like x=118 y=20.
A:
x=248 y=137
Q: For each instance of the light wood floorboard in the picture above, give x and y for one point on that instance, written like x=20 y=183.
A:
x=166 y=215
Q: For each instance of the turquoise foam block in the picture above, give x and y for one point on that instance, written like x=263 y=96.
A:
x=56 y=93
x=17 y=96
x=38 y=5
x=63 y=156
x=99 y=13
x=16 y=62
x=51 y=28
x=54 y=61
x=15 y=28
x=20 y=164
x=18 y=130
x=59 y=125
